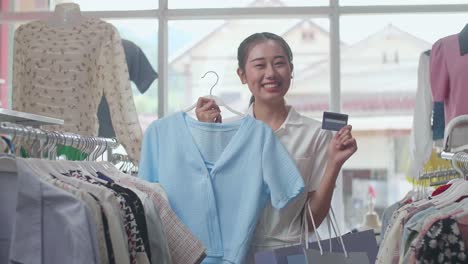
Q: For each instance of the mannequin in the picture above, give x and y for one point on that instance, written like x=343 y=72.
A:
x=371 y=219
x=66 y=15
x=77 y=60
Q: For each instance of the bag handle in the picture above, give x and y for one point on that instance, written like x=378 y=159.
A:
x=305 y=227
x=330 y=222
x=338 y=234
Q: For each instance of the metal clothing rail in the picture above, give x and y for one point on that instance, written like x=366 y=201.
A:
x=67 y=139
x=459 y=161
x=27 y=119
x=455 y=138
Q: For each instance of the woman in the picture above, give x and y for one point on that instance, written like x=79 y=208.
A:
x=266 y=66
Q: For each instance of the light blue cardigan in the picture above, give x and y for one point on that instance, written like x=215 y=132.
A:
x=220 y=204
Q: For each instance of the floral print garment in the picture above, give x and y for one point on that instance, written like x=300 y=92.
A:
x=443 y=243
x=64 y=72
x=135 y=242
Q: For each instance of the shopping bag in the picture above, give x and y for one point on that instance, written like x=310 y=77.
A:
x=363 y=241
x=361 y=247
x=330 y=256
x=314 y=256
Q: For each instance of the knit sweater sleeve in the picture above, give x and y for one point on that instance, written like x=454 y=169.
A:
x=112 y=75
x=19 y=74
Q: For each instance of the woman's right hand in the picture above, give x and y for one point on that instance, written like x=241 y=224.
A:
x=208 y=111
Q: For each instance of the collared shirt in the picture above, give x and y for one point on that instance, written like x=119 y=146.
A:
x=448 y=75
x=307 y=144
x=95 y=210
x=219 y=202
x=43 y=224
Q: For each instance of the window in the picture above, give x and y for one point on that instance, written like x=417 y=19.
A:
x=214 y=47
x=24 y=5
x=143 y=33
x=379 y=73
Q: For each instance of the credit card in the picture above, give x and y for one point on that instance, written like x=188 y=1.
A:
x=334 y=121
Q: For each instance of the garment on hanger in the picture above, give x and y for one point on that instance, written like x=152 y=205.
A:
x=421 y=134
x=448 y=78
x=116 y=218
x=42 y=223
x=183 y=245
x=130 y=219
x=429 y=230
x=63 y=72
x=141 y=74
x=228 y=170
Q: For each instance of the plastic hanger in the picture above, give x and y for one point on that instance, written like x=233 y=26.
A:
x=217 y=99
x=459 y=186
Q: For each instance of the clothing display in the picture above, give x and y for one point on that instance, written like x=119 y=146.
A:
x=431 y=230
x=443 y=242
x=61 y=211
x=183 y=245
x=280 y=228
x=63 y=73
x=42 y=223
x=430 y=226
x=120 y=227
x=229 y=172
x=141 y=74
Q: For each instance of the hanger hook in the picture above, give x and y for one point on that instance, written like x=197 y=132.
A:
x=217 y=79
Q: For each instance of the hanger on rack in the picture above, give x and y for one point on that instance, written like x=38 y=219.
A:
x=43 y=144
x=217 y=99
x=459 y=185
x=440 y=176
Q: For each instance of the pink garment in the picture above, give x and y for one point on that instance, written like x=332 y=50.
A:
x=448 y=76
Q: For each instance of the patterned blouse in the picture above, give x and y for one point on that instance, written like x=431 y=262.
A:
x=443 y=243
x=63 y=73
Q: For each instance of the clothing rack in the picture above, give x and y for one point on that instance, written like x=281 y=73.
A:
x=49 y=139
x=440 y=177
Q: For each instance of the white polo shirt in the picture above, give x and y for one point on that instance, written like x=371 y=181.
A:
x=307 y=144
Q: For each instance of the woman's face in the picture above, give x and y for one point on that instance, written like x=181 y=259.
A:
x=267 y=71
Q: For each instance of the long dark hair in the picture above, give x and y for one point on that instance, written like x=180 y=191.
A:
x=245 y=45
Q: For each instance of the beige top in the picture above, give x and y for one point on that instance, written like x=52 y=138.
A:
x=307 y=144
x=64 y=72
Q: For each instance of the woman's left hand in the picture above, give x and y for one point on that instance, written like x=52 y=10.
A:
x=342 y=146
